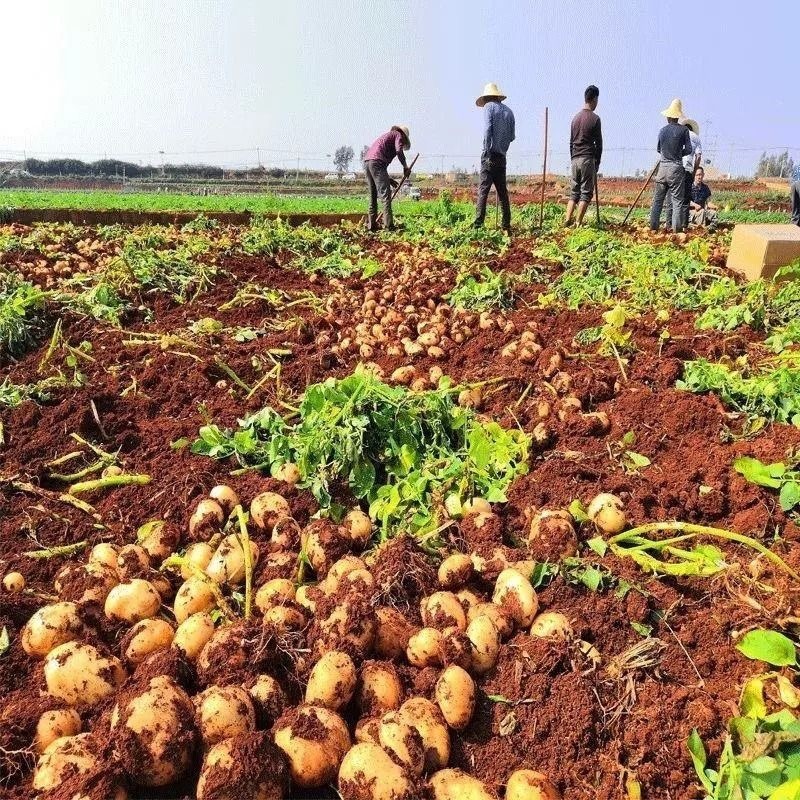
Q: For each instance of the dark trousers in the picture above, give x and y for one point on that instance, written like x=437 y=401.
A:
x=493 y=173
x=796 y=202
x=688 y=180
x=378 y=184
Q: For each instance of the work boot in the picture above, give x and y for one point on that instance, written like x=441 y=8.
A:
x=372 y=225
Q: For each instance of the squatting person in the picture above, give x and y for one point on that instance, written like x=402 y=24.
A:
x=585 y=150
x=795 y=185
x=376 y=166
x=673 y=145
x=701 y=212
x=498 y=135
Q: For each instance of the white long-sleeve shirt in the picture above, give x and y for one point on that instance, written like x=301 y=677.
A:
x=697 y=150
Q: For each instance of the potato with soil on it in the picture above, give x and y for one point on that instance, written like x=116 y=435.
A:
x=485 y=640
x=499 y=617
x=455 y=784
x=315 y=741
x=379 y=688
x=275 y=592
x=133 y=562
x=266 y=509
x=552 y=625
x=324 y=543
x=224 y=711
x=393 y=633
x=158 y=539
x=50 y=627
x=359 y=527
x=349 y=626
x=206 y=520
x=552 y=535
x=443 y=610
x=527 y=784
x=402 y=742
x=332 y=681
x=368 y=773
x=455 y=695
x=194 y=596
x=269 y=699
x=245 y=767
x=426 y=718
x=105 y=554
x=154 y=735
x=79 y=674
x=225 y=497
x=56 y=724
x=514 y=593
x=132 y=602
x=288 y=473
x=14 y=582
x=196 y=558
x=425 y=648
x=341 y=569
x=607 y=512
x=193 y=634
x=456 y=648
x=455 y=571
x=86 y=583
x=146 y=637
x=227 y=565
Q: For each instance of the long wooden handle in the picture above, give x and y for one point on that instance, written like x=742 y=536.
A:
x=641 y=192
x=400 y=185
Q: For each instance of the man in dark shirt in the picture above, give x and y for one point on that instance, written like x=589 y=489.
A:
x=585 y=150
x=701 y=212
x=498 y=133
x=673 y=145
x=376 y=163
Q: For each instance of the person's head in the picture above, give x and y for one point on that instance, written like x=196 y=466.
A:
x=699 y=175
x=590 y=96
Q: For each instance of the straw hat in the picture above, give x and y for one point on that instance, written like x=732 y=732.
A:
x=403 y=129
x=490 y=92
x=675 y=110
x=691 y=124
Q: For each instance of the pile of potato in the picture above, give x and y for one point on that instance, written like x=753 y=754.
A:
x=344 y=718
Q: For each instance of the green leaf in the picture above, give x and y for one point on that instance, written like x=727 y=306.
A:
x=752 y=701
x=789 y=496
x=641 y=629
x=787 y=791
x=578 y=511
x=180 y=444
x=699 y=759
x=634 y=461
x=769 y=646
x=543 y=573
x=148 y=529
x=598 y=544
x=5 y=641
x=759 y=473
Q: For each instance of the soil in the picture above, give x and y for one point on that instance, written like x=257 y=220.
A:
x=588 y=726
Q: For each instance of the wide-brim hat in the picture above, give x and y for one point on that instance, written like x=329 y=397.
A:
x=691 y=124
x=675 y=110
x=490 y=92
x=403 y=129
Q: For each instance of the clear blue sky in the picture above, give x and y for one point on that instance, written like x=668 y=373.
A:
x=128 y=79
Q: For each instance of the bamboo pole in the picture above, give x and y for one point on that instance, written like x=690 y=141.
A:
x=399 y=186
x=544 y=168
x=641 y=192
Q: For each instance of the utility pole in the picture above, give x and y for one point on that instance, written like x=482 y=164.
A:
x=258 y=153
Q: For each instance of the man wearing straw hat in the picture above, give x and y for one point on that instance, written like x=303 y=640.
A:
x=690 y=166
x=497 y=136
x=673 y=145
x=380 y=154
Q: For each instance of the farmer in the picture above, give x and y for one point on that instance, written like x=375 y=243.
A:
x=795 y=186
x=690 y=165
x=376 y=162
x=498 y=135
x=673 y=145
x=585 y=150
x=701 y=212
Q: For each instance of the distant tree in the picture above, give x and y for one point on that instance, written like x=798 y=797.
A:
x=774 y=166
x=342 y=158
x=363 y=153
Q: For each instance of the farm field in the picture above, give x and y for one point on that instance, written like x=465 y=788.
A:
x=494 y=505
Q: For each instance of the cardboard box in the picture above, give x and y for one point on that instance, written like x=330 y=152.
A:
x=759 y=251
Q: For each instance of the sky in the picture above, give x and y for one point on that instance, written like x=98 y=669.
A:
x=232 y=82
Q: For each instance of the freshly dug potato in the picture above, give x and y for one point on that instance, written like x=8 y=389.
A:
x=267 y=508
x=269 y=699
x=227 y=563
x=427 y=719
x=63 y=758
x=277 y=592
x=455 y=571
x=501 y=619
x=456 y=648
x=207 y=517
x=288 y=473
x=368 y=730
x=245 y=767
x=146 y=637
x=154 y=733
x=133 y=601
x=332 y=681
x=286 y=534
x=85 y=583
x=51 y=626
x=349 y=627
x=132 y=562
x=476 y=505
x=315 y=741
x=379 y=688
x=515 y=595
x=485 y=640
x=197 y=557
x=225 y=497
x=468 y=598
x=358 y=526
x=607 y=512
x=368 y=773
x=158 y=539
x=393 y=633
x=194 y=596
x=455 y=784
x=324 y=543
x=340 y=569
x=14 y=582
x=193 y=634
x=527 y=784
x=455 y=695
x=285 y=618
x=105 y=554
x=303 y=596
x=553 y=529
x=224 y=711
x=54 y=725
x=425 y=648
x=551 y=625
x=443 y=610
x=402 y=742
x=79 y=674
x=227 y=646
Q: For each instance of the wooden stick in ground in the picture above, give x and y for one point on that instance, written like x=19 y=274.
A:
x=544 y=169
x=379 y=218
x=641 y=192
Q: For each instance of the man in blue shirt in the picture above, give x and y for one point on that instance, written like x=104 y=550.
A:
x=498 y=135
x=795 y=187
x=673 y=145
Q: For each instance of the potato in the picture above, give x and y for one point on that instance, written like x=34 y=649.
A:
x=197 y=557
x=162 y=584
x=554 y=527
x=225 y=497
x=207 y=517
x=368 y=773
x=277 y=592
x=51 y=626
x=350 y=627
x=14 y=582
x=224 y=711
x=64 y=758
x=368 y=730
x=105 y=554
x=324 y=543
x=515 y=595
x=288 y=473
x=455 y=571
x=425 y=648
x=227 y=646
x=286 y=534
x=132 y=562
x=146 y=637
x=468 y=598
x=314 y=757
x=303 y=598
x=443 y=610
x=485 y=640
x=456 y=648
x=402 y=742
x=393 y=633
x=194 y=595
x=332 y=681
x=379 y=688
x=284 y=619
x=501 y=619
x=267 y=508
x=79 y=675
x=358 y=526
x=227 y=563
x=338 y=570
x=269 y=699
x=527 y=784
x=193 y=634
x=551 y=625
x=86 y=583
x=154 y=735
x=265 y=775
x=455 y=695
x=476 y=505
x=428 y=721
x=455 y=784
x=133 y=601
x=157 y=539
x=606 y=511
x=54 y=725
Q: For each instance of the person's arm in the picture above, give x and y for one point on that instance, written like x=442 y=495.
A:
x=401 y=156
x=487 y=133
x=698 y=154
x=659 y=143
x=598 y=144
x=687 y=143
x=513 y=127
